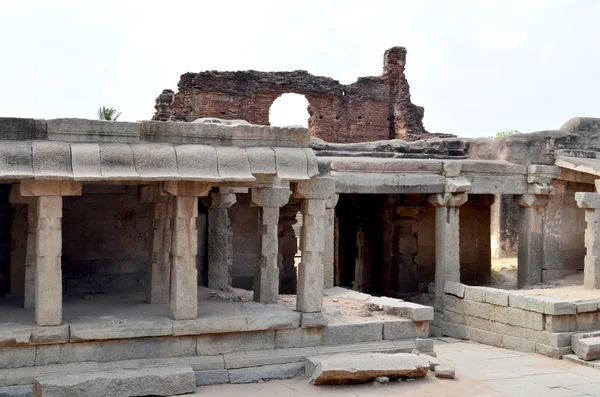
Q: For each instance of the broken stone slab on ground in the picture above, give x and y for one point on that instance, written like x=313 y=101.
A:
x=444 y=372
x=586 y=345
x=159 y=381
x=365 y=367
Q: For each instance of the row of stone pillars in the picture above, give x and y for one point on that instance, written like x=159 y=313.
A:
x=172 y=273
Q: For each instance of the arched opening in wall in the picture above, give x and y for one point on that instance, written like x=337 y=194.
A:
x=289 y=109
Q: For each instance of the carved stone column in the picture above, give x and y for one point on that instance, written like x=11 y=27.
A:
x=591 y=272
x=315 y=192
x=447 y=240
x=184 y=275
x=48 y=200
x=218 y=239
x=531 y=238
x=266 y=275
x=288 y=246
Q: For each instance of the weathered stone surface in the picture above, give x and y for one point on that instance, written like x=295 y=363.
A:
x=267 y=357
x=364 y=367
x=83 y=130
x=336 y=334
x=57 y=334
x=314 y=320
x=254 y=374
x=404 y=329
x=197 y=363
x=13 y=128
x=15 y=391
x=454 y=288
x=444 y=372
x=26 y=375
x=586 y=348
x=240 y=341
x=159 y=381
x=204 y=378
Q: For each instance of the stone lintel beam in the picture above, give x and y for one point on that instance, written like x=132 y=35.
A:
x=32 y=187
x=185 y=188
x=588 y=200
x=452 y=168
x=448 y=199
x=316 y=188
x=531 y=200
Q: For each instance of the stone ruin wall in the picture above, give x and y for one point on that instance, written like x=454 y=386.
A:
x=372 y=108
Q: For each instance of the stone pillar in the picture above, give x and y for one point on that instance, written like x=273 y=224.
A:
x=403 y=247
x=591 y=272
x=288 y=246
x=184 y=284
x=266 y=275
x=218 y=240
x=484 y=203
x=315 y=192
x=47 y=273
x=31 y=255
x=159 y=272
x=447 y=240
x=184 y=246
x=531 y=238
x=329 y=253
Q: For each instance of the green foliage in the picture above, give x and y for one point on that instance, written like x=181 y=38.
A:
x=108 y=114
x=502 y=134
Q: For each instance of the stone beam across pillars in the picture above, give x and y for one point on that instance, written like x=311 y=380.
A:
x=447 y=240
x=591 y=203
x=48 y=197
x=218 y=237
x=266 y=275
x=314 y=194
x=184 y=275
x=159 y=270
x=531 y=238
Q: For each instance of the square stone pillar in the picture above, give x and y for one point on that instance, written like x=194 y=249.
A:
x=266 y=275
x=159 y=273
x=531 y=238
x=184 y=246
x=184 y=275
x=447 y=241
x=329 y=252
x=31 y=255
x=591 y=272
x=288 y=247
x=484 y=203
x=218 y=239
x=46 y=198
x=315 y=193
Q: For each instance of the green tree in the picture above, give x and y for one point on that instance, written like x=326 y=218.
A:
x=502 y=134
x=108 y=114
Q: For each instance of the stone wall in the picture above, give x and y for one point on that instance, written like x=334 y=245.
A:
x=106 y=236
x=515 y=320
x=564 y=229
x=372 y=108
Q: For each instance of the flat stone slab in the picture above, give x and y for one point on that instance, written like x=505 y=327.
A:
x=160 y=381
x=365 y=367
x=254 y=374
x=574 y=359
x=587 y=349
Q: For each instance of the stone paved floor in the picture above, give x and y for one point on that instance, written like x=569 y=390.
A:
x=481 y=371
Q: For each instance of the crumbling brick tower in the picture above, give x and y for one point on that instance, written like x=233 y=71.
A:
x=373 y=108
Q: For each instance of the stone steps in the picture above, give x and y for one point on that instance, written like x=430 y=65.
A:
x=237 y=367
x=586 y=345
x=574 y=359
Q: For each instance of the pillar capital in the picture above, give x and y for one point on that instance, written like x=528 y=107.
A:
x=332 y=201
x=532 y=200
x=316 y=188
x=185 y=188
x=588 y=200
x=222 y=200
x=32 y=187
x=274 y=197
x=448 y=199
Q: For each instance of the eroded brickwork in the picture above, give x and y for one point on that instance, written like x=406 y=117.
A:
x=372 y=108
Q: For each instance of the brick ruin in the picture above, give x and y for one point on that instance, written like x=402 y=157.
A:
x=371 y=109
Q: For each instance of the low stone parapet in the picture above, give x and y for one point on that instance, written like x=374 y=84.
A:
x=516 y=320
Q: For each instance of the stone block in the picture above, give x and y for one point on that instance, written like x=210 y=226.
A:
x=364 y=367
x=83 y=130
x=485 y=337
x=587 y=349
x=336 y=334
x=16 y=357
x=31 y=187
x=205 y=378
x=534 y=303
x=518 y=344
x=404 y=329
x=26 y=375
x=292 y=164
x=227 y=343
x=155 y=162
x=86 y=161
x=16 y=159
x=197 y=162
x=254 y=374
x=115 y=328
x=476 y=294
x=197 y=363
x=557 y=307
x=561 y=323
x=517 y=317
x=159 y=381
x=454 y=304
x=587 y=306
x=56 y=334
x=267 y=357
x=379 y=346
x=13 y=128
x=299 y=337
x=317 y=188
x=444 y=372
x=457 y=184
x=233 y=164
x=497 y=297
x=16 y=391
x=454 y=288
x=551 y=351
x=477 y=309
x=314 y=320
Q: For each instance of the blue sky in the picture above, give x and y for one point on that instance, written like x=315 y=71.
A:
x=476 y=66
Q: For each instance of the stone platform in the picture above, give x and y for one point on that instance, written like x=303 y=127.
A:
x=227 y=342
